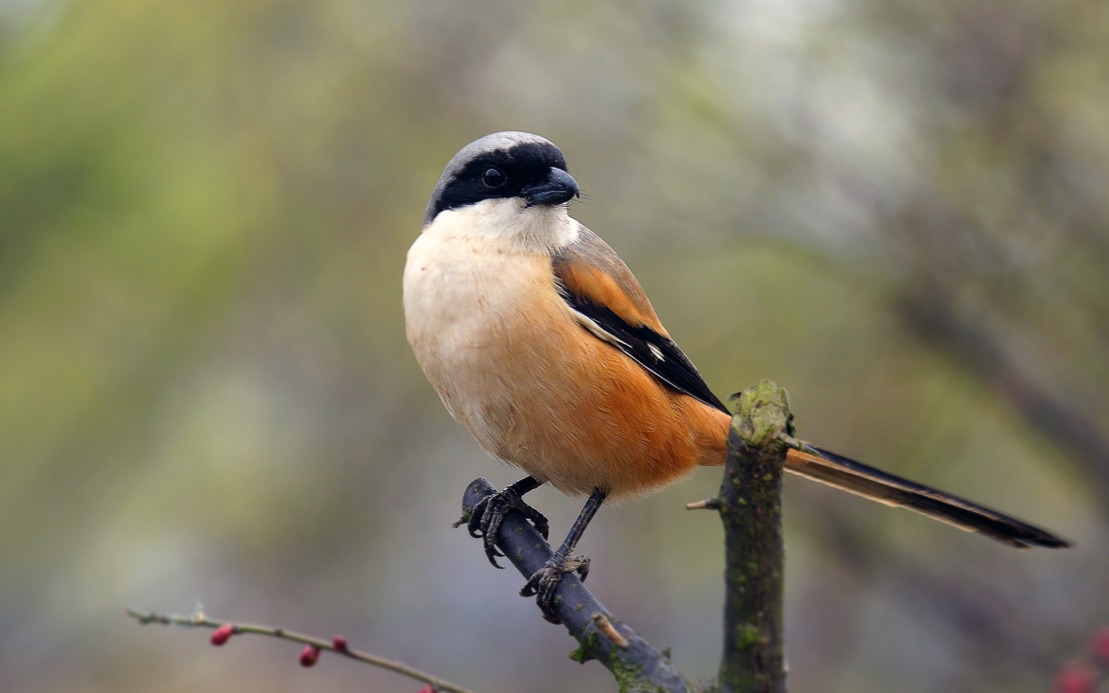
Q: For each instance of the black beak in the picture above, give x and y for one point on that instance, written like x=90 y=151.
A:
x=558 y=187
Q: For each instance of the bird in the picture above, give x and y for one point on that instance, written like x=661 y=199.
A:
x=541 y=342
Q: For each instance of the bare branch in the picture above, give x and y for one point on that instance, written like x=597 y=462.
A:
x=338 y=645
x=636 y=665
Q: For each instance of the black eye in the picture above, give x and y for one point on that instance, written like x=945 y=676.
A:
x=493 y=178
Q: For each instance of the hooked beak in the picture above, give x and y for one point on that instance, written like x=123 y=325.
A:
x=557 y=188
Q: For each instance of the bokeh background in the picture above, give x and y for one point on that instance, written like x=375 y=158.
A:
x=898 y=210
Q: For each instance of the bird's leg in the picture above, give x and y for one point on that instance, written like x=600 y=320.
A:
x=486 y=517
x=543 y=582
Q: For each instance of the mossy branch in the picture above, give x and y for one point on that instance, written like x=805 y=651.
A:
x=750 y=506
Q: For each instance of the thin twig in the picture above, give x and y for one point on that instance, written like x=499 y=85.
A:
x=706 y=504
x=336 y=645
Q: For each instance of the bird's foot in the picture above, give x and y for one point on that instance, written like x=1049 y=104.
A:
x=543 y=582
x=485 y=519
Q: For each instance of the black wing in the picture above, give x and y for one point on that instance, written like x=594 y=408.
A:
x=661 y=356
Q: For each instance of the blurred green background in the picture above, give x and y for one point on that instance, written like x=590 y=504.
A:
x=895 y=209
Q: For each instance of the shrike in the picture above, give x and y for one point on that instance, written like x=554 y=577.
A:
x=540 y=341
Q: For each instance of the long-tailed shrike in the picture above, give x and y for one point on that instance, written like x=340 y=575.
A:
x=541 y=342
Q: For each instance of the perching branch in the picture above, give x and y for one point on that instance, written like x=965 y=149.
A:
x=312 y=646
x=636 y=665
x=750 y=506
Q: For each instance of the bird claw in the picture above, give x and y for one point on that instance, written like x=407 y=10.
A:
x=488 y=514
x=543 y=582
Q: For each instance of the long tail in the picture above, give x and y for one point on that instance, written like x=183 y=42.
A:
x=855 y=477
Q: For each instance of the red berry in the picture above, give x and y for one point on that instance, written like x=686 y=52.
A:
x=222 y=634
x=1074 y=678
x=1100 y=644
x=340 y=644
x=309 y=656
x=427 y=689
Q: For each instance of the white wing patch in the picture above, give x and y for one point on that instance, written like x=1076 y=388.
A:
x=606 y=336
x=598 y=331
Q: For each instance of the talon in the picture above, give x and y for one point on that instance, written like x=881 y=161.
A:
x=483 y=523
x=488 y=514
x=543 y=582
x=579 y=564
x=477 y=522
x=538 y=520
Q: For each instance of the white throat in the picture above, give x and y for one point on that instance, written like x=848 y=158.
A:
x=507 y=225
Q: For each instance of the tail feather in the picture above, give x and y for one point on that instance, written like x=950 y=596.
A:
x=848 y=475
